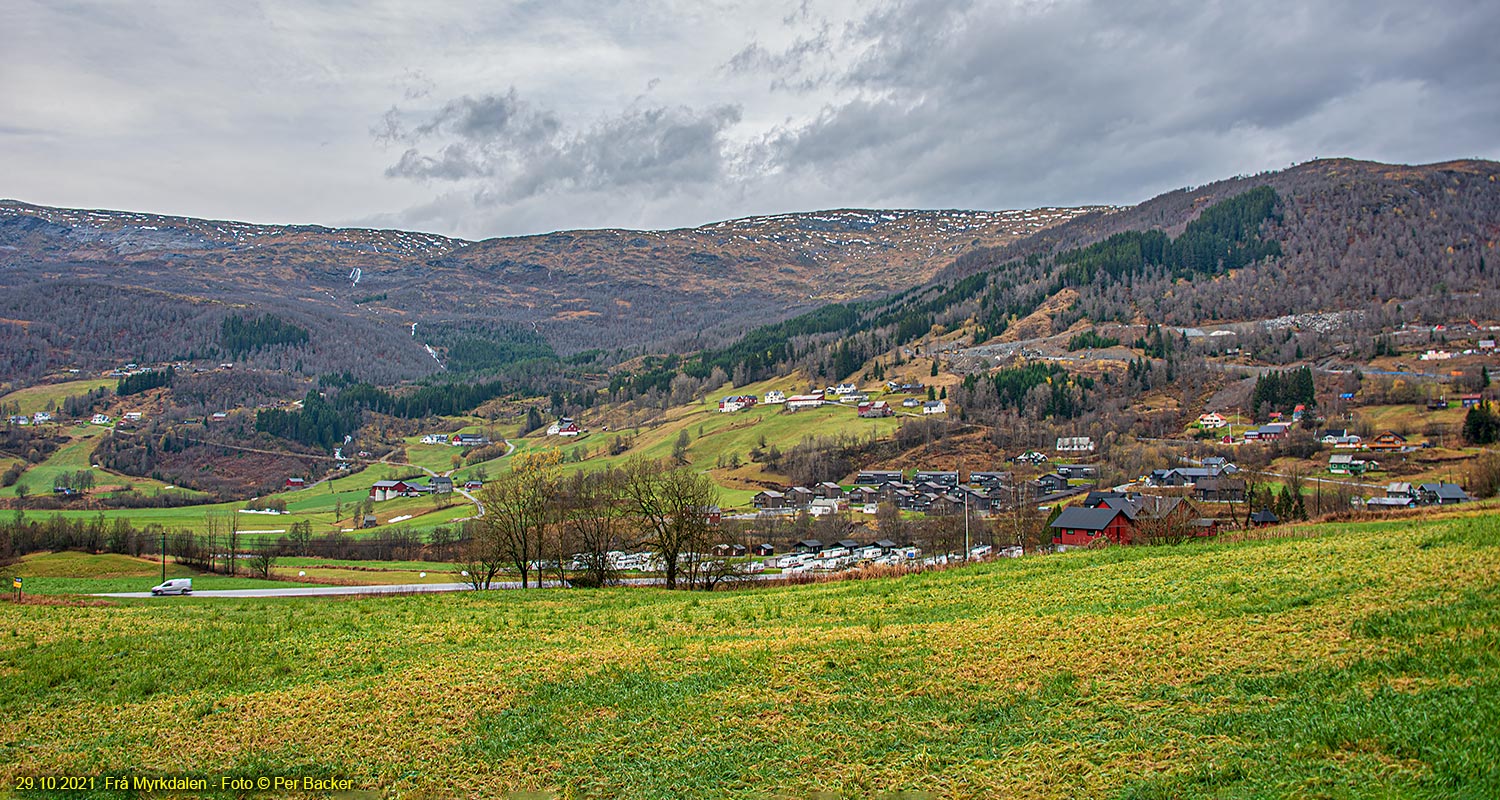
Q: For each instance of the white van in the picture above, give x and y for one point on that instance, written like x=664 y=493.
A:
x=174 y=586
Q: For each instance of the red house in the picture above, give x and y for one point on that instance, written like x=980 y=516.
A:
x=295 y=483
x=1080 y=527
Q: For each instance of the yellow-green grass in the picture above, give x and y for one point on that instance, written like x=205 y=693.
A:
x=1410 y=420
x=72 y=573
x=51 y=396
x=711 y=436
x=1364 y=662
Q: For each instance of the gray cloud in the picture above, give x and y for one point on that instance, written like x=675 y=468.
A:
x=533 y=117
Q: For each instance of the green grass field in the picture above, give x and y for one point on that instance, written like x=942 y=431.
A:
x=81 y=573
x=1363 y=662
x=51 y=396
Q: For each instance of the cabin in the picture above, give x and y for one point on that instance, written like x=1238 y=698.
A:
x=1388 y=441
x=765 y=549
x=1080 y=527
x=472 y=485
x=947 y=479
x=386 y=490
x=808 y=546
x=989 y=480
x=1264 y=517
x=1470 y=400
x=1220 y=490
x=769 y=500
x=877 y=477
x=296 y=483
x=1052 y=483
x=368 y=521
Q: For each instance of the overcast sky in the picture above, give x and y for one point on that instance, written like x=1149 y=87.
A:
x=484 y=119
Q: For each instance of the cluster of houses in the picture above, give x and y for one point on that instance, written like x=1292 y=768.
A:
x=1407 y=495
x=844 y=393
x=927 y=491
x=39 y=418
x=457 y=439
x=390 y=490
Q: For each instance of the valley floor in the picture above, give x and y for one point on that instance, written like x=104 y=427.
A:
x=1359 y=660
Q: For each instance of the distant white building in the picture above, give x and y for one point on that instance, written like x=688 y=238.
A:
x=845 y=388
x=934 y=407
x=100 y=419
x=804 y=401
x=1075 y=444
x=774 y=397
x=435 y=438
x=40 y=417
x=1212 y=421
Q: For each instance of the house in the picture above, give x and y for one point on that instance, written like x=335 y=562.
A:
x=1390 y=440
x=1212 y=421
x=845 y=388
x=441 y=485
x=1071 y=471
x=1031 y=457
x=904 y=388
x=989 y=480
x=132 y=416
x=808 y=546
x=1052 y=483
x=1220 y=490
x=219 y=416
x=1080 y=527
x=798 y=401
x=765 y=549
x=877 y=409
x=385 y=490
x=828 y=490
x=730 y=550
x=1470 y=400
x=100 y=419
x=296 y=483
x=876 y=477
x=1075 y=444
x=863 y=495
x=886 y=545
x=368 y=521
x=1347 y=464
x=1264 y=517
x=565 y=427
x=435 y=438
x=942 y=479
x=19 y=419
x=735 y=402
x=769 y=500
x=1401 y=489
x=848 y=544
x=1441 y=494
x=775 y=397
x=468 y=440
x=934 y=407
x=1269 y=431
x=473 y=485
x=799 y=496
x=911 y=402
x=40 y=417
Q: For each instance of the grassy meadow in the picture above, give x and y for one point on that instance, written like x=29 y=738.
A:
x=1356 y=660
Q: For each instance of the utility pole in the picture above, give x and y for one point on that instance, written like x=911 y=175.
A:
x=163 y=555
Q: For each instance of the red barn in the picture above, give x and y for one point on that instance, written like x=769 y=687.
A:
x=1080 y=527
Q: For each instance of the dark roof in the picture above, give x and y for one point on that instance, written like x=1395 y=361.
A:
x=848 y=543
x=886 y=544
x=809 y=543
x=1265 y=516
x=1087 y=519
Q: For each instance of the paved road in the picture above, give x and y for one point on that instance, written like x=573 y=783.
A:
x=320 y=591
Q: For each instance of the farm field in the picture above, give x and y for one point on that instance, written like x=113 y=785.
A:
x=51 y=395
x=75 y=456
x=1360 y=660
x=83 y=573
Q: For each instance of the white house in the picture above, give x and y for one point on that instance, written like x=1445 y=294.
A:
x=845 y=388
x=435 y=438
x=100 y=419
x=804 y=401
x=774 y=397
x=934 y=407
x=1075 y=444
x=40 y=417
x=1212 y=421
